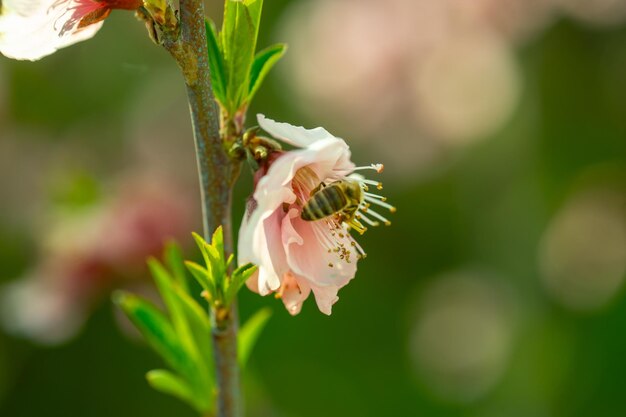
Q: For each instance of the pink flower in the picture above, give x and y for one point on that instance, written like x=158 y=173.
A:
x=33 y=29
x=297 y=256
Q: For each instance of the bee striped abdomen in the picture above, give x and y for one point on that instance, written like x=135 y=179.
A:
x=324 y=203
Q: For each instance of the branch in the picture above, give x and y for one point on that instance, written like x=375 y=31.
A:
x=188 y=46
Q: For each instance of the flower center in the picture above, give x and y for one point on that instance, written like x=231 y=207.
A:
x=334 y=206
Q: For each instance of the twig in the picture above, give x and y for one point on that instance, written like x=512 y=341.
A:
x=217 y=174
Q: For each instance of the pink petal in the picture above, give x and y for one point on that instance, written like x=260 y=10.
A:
x=260 y=243
x=325 y=297
x=307 y=250
x=294 y=291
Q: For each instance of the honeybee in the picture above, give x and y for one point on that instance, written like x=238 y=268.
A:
x=341 y=197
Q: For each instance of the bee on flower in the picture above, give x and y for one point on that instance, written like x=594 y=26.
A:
x=32 y=29
x=297 y=226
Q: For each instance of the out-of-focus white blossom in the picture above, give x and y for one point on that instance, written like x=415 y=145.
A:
x=583 y=252
x=468 y=89
x=32 y=29
x=462 y=337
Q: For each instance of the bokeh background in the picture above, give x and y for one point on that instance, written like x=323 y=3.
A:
x=498 y=290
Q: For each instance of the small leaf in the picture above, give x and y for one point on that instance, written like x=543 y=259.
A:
x=168 y=383
x=230 y=260
x=164 y=282
x=216 y=63
x=218 y=242
x=250 y=333
x=263 y=63
x=200 y=330
x=238 y=279
x=157 y=331
x=213 y=255
x=191 y=323
x=203 y=248
x=203 y=276
x=239 y=36
x=176 y=264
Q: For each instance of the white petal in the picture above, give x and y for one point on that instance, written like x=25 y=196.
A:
x=33 y=30
x=293 y=135
x=327 y=158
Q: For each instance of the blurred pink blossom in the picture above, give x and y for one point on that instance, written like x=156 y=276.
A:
x=85 y=253
x=428 y=76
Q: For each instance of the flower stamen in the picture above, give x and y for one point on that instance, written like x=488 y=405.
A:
x=367 y=220
x=376 y=196
x=376 y=167
x=378 y=185
x=381 y=203
x=379 y=217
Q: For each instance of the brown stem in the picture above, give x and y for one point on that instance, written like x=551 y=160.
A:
x=217 y=174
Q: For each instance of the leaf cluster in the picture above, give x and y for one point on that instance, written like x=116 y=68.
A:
x=181 y=335
x=220 y=287
x=237 y=71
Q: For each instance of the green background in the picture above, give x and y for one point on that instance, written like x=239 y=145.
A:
x=487 y=212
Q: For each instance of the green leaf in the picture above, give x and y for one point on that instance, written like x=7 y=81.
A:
x=255 y=8
x=157 y=331
x=216 y=63
x=239 y=36
x=168 y=383
x=164 y=282
x=230 y=260
x=217 y=242
x=203 y=249
x=213 y=255
x=200 y=330
x=203 y=276
x=176 y=264
x=239 y=277
x=263 y=63
x=250 y=333
x=191 y=323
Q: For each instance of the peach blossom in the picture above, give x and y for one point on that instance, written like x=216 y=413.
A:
x=295 y=256
x=30 y=30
